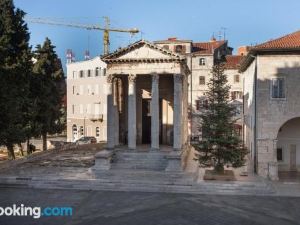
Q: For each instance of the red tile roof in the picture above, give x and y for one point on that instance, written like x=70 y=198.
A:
x=288 y=41
x=233 y=61
x=206 y=47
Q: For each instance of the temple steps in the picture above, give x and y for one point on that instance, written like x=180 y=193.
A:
x=153 y=161
x=213 y=187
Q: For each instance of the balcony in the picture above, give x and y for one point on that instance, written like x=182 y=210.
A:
x=96 y=117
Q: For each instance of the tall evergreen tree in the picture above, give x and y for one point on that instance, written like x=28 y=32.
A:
x=220 y=144
x=15 y=70
x=48 y=83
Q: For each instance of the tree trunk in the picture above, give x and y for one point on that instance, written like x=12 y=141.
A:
x=44 y=136
x=21 y=149
x=219 y=168
x=10 y=151
x=28 y=146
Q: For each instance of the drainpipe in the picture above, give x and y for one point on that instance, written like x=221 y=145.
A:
x=191 y=89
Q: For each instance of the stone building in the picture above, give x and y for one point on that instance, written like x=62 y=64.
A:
x=86 y=99
x=201 y=57
x=236 y=81
x=271 y=105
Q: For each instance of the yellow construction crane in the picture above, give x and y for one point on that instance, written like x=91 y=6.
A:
x=105 y=30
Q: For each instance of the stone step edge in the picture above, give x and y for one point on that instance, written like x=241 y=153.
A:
x=152 y=188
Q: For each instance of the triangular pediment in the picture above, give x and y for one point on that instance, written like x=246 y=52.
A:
x=141 y=50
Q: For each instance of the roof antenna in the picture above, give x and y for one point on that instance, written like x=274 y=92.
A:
x=220 y=35
x=142 y=34
x=224 y=32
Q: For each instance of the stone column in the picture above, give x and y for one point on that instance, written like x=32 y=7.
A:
x=131 y=111
x=116 y=109
x=110 y=113
x=155 y=112
x=177 y=112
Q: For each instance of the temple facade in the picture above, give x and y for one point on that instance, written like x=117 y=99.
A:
x=147 y=97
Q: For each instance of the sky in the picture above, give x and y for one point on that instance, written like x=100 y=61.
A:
x=246 y=22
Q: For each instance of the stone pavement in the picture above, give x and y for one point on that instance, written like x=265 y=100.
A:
x=138 y=208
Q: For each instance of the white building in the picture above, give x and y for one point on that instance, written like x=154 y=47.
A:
x=86 y=99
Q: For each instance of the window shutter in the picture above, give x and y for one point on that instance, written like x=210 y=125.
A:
x=183 y=49
x=281 y=88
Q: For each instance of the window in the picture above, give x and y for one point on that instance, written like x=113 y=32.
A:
x=97 y=132
x=73 y=90
x=97 y=72
x=88 y=108
x=237 y=78
x=201 y=104
x=81 y=108
x=103 y=72
x=89 y=90
x=96 y=89
x=202 y=61
x=97 y=108
x=279 y=154
x=236 y=95
x=89 y=73
x=278 y=88
x=74 y=74
x=81 y=89
x=198 y=103
x=81 y=73
x=178 y=48
x=166 y=47
x=73 y=109
x=74 y=131
x=81 y=131
x=202 y=80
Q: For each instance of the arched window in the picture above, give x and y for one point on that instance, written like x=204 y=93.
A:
x=178 y=48
x=81 y=131
x=166 y=47
x=97 y=132
x=74 y=132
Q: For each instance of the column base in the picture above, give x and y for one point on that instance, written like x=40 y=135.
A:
x=174 y=162
x=103 y=160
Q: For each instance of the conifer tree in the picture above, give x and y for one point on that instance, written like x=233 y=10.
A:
x=220 y=144
x=48 y=83
x=15 y=71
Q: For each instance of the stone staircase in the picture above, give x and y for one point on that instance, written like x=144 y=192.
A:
x=152 y=161
x=140 y=171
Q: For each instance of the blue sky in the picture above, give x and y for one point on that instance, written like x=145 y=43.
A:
x=246 y=21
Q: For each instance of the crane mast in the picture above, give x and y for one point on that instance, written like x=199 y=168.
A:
x=105 y=30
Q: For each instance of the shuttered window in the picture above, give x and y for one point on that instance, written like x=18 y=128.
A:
x=278 y=88
x=202 y=80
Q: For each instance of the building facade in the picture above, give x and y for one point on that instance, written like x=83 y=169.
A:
x=86 y=99
x=201 y=57
x=272 y=106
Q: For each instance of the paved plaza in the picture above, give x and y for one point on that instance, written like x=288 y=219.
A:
x=109 y=208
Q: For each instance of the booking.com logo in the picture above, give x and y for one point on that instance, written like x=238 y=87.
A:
x=35 y=212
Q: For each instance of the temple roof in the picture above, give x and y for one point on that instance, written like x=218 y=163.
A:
x=155 y=54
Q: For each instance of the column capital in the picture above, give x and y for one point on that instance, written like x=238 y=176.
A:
x=178 y=77
x=110 y=78
x=131 y=78
x=155 y=77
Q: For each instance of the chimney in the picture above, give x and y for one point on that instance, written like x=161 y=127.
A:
x=243 y=50
x=87 y=55
x=213 y=39
x=70 y=56
x=172 y=38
